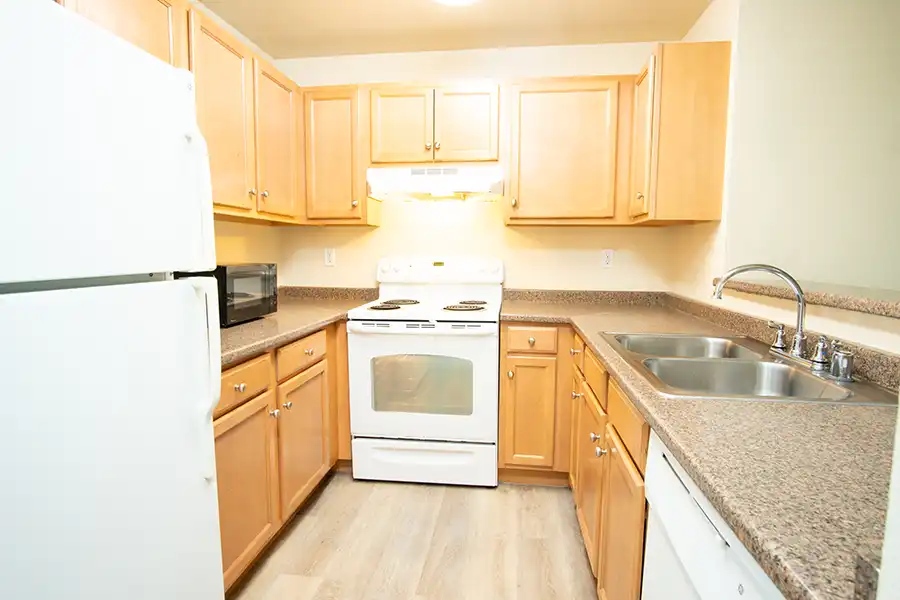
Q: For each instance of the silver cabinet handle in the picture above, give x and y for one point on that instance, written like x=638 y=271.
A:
x=515 y=202
x=265 y=194
x=428 y=145
x=240 y=387
x=573 y=351
x=252 y=191
x=576 y=395
x=355 y=203
x=309 y=352
x=274 y=413
x=288 y=405
x=437 y=145
x=600 y=451
x=594 y=437
x=531 y=341
x=510 y=374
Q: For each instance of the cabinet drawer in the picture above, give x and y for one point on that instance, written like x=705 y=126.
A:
x=596 y=377
x=243 y=382
x=578 y=353
x=629 y=424
x=531 y=339
x=299 y=355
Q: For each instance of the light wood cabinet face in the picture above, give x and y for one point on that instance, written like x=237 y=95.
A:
x=223 y=69
x=591 y=474
x=466 y=123
x=577 y=399
x=247 y=475
x=642 y=142
x=276 y=141
x=302 y=435
x=563 y=156
x=622 y=550
x=157 y=26
x=529 y=401
x=331 y=153
x=402 y=125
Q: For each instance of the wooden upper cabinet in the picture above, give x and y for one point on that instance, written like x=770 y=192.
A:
x=528 y=405
x=302 y=435
x=678 y=141
x=276 y=141
x=641 y=141
x=334 y=177
x=622 y=531
x=402 y=124
x=158 y=26
x=466 y=123
x=223 y=69
x=564 y=149
x=246 y=470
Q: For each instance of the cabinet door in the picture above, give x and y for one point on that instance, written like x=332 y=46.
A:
x=276 y=146
x=563 y=160
x=402 y=125
x=529 y=411
x=223 y=69
x=302 y=437
x=332 y=124
x=642 y=141
x=622 y=545
x=591 y=467
x=246 y=468
x=577 y=396
x=157 y=26
x=466 y=123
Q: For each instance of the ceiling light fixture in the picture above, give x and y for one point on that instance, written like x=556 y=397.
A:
x=456 y=2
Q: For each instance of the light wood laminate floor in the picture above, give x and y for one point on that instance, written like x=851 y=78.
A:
x=363 y=540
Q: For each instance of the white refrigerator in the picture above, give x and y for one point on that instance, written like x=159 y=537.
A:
x=109 y=367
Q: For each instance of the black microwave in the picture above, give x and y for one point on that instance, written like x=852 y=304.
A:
x=246 y=291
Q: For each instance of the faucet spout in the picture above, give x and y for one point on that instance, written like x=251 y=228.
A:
x=797 y=347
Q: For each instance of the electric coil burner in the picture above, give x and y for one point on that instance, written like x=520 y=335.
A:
x=402 y=302
x=385 y=307
x=463 y=308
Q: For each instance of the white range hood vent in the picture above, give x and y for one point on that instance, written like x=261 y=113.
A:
x=438 y=182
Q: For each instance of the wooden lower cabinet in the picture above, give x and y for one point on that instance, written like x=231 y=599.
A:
x=577 y=395
x=302 y=435
x=592 y=461
x=622 y=541
x=529 y=411
x=247 y=473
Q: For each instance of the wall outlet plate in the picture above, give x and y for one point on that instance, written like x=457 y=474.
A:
x=330 y=257
x=606 y=258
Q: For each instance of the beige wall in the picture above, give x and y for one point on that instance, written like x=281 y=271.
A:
x=238 y=243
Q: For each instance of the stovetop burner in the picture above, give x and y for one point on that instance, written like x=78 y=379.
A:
x=463 y=307
x=385 y=307
x=473 y=302
x=401 y=302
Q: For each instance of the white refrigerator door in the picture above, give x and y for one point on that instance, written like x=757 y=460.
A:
x=106 y=443
x=104 y=169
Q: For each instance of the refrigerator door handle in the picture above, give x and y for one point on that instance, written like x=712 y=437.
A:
x=206 y=290
x=199 y=152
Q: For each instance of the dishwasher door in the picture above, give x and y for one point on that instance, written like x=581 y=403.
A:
x=664 y=575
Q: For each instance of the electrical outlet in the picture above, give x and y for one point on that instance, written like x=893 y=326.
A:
x=606 y=258
x=330 y=257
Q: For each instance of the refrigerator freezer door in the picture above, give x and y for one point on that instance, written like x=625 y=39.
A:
x=105 y=170
x=106 y=444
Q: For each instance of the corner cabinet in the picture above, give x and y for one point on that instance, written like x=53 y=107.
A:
x=678 y=138
x=157 y=26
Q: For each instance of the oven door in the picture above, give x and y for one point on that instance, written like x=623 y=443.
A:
x=249 y=292
x=424 y=381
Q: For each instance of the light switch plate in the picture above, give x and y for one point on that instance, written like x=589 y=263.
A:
x=330 y=257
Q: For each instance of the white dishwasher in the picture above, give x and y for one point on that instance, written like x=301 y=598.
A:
x=690 y=553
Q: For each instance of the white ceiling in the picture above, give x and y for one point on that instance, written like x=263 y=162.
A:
x=295 y=28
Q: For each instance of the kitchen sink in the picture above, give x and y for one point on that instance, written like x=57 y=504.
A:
x=685 y=346
x=742 y=378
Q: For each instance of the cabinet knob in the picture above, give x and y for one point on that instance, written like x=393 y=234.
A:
x=240 y=387
x=252 y=191
x=510 y=374
x=274 y=413
x=515 y=202
x=573 y=351
x=288 y=405
x=265 y=194
x=437 y=145
x=640 y=196
x=355 y=203
x=594 y=437
x=531 y=341
x=428 y=145
x=600 y=451
x=309 y=352
x=576 y=395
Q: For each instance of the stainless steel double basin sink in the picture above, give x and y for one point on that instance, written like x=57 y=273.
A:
x=732 y=368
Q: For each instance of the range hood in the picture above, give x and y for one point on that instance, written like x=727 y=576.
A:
x=435 y=182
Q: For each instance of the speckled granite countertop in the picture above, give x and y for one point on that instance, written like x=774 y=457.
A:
x=296 y=317
x=802 y=485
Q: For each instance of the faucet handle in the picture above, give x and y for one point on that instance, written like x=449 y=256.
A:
x=779 y=343
x=820 y=355
x=841 y=362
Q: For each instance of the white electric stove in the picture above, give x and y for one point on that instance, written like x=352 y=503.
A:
x=424 y=365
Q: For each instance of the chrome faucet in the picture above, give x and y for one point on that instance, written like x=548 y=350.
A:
x=798 y=344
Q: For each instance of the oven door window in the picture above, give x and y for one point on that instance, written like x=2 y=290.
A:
x=421 y=383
